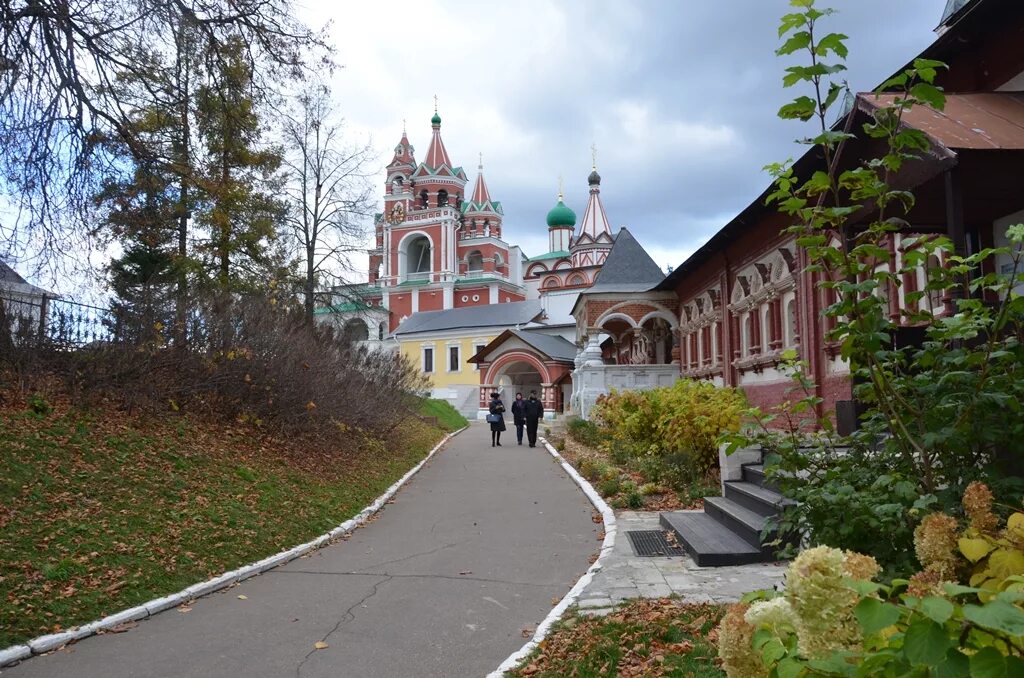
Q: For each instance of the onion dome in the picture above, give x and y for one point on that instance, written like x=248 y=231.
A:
x=594 y=179
x=436 y=120
x=561 y=215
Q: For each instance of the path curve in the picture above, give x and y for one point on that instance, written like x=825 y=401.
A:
x=473 y=552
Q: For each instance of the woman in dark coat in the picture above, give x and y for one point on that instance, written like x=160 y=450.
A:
x=497 y=408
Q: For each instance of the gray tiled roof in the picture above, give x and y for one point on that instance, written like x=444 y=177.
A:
x=555 y=347
x=488 y=315
x=628 y=268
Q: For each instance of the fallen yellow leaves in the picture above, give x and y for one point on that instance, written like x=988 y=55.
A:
x=662 y=637
x=320 y=645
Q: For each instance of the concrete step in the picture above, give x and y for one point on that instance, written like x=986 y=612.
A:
x=737 y=518
x=709 y=542
x=759 y=499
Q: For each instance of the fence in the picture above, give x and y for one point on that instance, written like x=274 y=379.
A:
x=38 y=320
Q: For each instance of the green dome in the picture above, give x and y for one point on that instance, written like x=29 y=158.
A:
x=436 y=120
x=560 y=215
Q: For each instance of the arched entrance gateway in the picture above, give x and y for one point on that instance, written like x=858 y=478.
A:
x=524 y=361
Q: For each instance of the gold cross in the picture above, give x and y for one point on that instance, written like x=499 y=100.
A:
x=593 y=155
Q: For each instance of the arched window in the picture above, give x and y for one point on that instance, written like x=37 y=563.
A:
x=355 y=330
x=423 y=198
x=551 y=283
x=442 y=198
x=475 y=261
x=792 y=339
x=418 y=258
x=577 y=279
x=397 y=181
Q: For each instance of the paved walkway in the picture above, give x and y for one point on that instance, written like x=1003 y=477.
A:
x=475 y=549
x=623 y=575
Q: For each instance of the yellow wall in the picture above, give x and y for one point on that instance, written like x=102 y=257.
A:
x=441 y=377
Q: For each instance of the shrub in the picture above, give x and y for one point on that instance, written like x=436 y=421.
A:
x=590 y=468
x=835 y=620
x=681 y=422
x=584 y=432
x=39 y=405
x=631 y=496
x=609 y=487
x=248 y=360
x=647 y=489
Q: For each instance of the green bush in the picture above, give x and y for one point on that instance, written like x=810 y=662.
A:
x=631 y=496
x=584 y=432
x=609 y=487
x=679 y=425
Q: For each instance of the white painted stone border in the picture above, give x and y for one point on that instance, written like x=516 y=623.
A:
x=42 y=644
x=610 y=531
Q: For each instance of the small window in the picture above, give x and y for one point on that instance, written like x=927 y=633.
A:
x=428 y=360
x=476 y=351
x=453 y=359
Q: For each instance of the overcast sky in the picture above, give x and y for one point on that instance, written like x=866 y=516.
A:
x=679 y=97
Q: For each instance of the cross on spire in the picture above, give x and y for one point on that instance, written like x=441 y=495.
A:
x=481 y=165
x=593 y=155
x=435 y=103
x=560 y=192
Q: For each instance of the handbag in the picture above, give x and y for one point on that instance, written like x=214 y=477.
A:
x=493 y=418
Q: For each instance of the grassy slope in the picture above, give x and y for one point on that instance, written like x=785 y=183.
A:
x=447 y=416
x=99 y=514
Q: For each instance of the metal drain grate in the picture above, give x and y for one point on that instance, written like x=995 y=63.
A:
x=652 y=543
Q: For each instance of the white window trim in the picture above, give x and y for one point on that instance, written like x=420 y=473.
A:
x=423 y=359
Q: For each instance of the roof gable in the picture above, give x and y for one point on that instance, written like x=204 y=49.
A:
x=628 y=268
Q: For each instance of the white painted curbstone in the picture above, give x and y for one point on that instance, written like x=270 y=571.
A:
x=14 y=653
x=165 y=603
x=610 y=532
x=131 y=614
x=53 y=641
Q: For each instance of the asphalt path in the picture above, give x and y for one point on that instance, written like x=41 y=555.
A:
x=473 y=552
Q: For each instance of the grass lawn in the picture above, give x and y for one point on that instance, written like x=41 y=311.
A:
x=100 y=512
x=447 y=416
x=642 y=638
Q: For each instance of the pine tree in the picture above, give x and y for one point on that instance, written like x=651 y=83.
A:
x=237 y=178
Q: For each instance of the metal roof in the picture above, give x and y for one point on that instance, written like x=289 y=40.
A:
x=982 y=121
x=628 y=268
x=486 y=315
x=554 y=347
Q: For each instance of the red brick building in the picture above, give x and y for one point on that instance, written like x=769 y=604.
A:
x=746 y=296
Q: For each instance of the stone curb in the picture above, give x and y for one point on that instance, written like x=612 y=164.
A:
x=610 y=531
x=53 y=641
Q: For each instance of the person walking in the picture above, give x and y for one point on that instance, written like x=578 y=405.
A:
x=496 y=419
x=533 y=411
x=519 y=416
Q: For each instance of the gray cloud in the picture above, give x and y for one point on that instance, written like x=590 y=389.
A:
x=680 y=98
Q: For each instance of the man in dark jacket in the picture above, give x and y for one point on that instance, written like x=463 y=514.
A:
x=533 y=410
x=519 y=416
